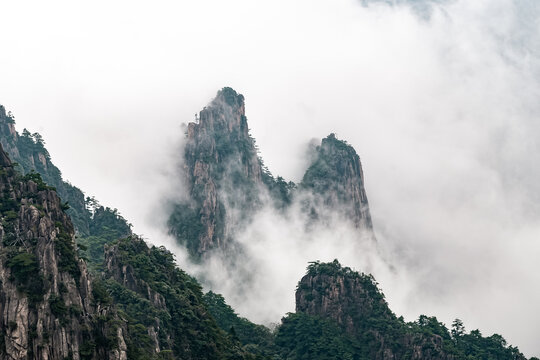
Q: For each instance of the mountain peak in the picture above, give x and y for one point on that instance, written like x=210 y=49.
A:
x=223 y=173
x=230 y=97
x=336 y=176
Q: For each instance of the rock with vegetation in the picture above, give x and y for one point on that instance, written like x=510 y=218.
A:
x=227 y=181
x=141 y=306
x=94 y=224
x=138 y=304
x=336 y=182
x=163 y=307
x=342 y=314
x=47 y=308
x=223 y=176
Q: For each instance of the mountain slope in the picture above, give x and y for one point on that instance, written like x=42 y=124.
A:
x=94 y=224
x=46 y=301
x=341 y=314
x=141 y=307
x=336 y=180
x=227 y=182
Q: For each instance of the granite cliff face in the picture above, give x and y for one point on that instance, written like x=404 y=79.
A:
x=29 y=152
x=223 y=176
x=340 y=294
x=336 y=180
x=227 y=182
x=46 y=302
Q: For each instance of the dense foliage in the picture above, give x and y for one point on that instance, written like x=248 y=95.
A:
x=106 y=226
x=257 y=339
x=181 y=321
x=375 y=329
x=306 y=337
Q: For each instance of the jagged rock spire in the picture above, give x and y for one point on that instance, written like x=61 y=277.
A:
x=336 y=179
x=223 y=175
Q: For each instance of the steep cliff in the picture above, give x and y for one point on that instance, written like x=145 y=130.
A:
x=227 y=181
x=223 y=176
x=336 y=180
x=163 y=306
x=142 y=306
x=94 y=224
x=29 y=152
x=47 y=308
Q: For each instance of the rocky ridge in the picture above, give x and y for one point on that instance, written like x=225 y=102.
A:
x=223 y=176
x=46 y=302
x=336 y=181
x=28 y=151
x=227 y=181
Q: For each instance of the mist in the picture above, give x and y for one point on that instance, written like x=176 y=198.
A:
x=439 y=99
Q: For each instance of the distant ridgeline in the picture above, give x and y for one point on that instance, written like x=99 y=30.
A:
x=94 y=224
x=137 y=304
x=228 y=182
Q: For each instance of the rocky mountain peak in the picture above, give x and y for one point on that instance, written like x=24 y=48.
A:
x=354 y=302
x=227 y=182
x=223 y=174
x=349 y=298
x=335 y=176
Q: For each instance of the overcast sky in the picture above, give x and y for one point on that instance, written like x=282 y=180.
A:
x=441 y=101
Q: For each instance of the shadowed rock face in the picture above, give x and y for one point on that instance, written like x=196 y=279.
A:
x=227 y=182
x=46 y=303
x=223 y=176
x=336 y=180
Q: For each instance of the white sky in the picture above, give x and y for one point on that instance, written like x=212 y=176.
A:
x=443 y=111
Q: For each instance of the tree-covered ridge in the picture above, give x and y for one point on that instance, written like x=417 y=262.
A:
x=256 y=339
x=94 y=224
x=223 y=174
x=359 y=316
x=163 y=306
x=45 y=292
x=29 y=152
x=306 y=337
